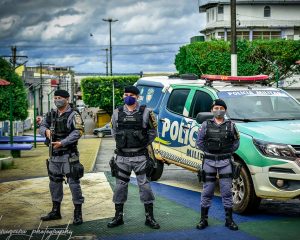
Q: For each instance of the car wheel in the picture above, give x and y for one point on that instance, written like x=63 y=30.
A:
x=244 y=197
x=157 y=172
x=100 y=134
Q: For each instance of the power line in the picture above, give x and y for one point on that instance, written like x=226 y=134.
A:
x=96 y=46
x=97 y=57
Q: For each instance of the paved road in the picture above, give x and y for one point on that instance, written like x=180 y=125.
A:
x=106 y=152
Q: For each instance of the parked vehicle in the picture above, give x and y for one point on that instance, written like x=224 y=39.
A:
x=103 y=131
x=267 y=118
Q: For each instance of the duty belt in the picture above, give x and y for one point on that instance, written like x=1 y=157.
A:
x=131 y=154
x=217 y=157
x=63 y=152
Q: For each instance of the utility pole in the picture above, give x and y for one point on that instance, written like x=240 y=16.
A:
x=106 y=51
x=233 y=38
x=41 y=84
x=14 y=57
x=110 y=20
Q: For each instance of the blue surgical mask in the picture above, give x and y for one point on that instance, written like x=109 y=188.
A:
x=129 y=100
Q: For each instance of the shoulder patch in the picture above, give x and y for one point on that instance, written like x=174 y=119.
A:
x=78 y=123
x=78 y=119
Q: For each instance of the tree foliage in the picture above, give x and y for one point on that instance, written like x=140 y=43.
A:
x=256 y=57
x=20 y=103
x=97 y=91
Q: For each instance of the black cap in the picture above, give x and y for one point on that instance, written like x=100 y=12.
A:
x=132 y=89
x=61 y=93
x=219 y=102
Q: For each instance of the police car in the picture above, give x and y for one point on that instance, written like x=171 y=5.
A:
x=267 y=118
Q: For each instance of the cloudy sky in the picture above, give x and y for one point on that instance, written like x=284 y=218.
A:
x=146 y=37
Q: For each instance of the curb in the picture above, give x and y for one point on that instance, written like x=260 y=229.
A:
x=5 y=161
x=95 y=158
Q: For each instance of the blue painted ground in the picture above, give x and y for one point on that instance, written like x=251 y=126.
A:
x=191 y=199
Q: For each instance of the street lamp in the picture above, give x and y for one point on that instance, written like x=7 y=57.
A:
x=110 y=20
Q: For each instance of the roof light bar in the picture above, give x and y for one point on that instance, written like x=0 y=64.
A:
x=235 y=78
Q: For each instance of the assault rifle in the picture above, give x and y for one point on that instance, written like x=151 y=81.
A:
x=51 y=135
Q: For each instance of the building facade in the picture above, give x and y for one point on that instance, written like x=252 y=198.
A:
x=256 y=19
x=46 y=80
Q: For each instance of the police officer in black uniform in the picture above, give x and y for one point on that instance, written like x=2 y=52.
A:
x=63 y=127
x=134 y=128
x=218 y=138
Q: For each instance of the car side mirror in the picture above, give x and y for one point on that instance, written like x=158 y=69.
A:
x=203 y=116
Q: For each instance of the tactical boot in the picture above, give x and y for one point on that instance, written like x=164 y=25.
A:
x=54 y=214
x=77 y=214
x=118 y=219
x=204 y=216
x=150 y=221
x=229 y=221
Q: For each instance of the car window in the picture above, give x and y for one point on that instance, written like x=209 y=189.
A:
x=149 y=95
x=202 y=102
x=260 y=105
x=177 y=100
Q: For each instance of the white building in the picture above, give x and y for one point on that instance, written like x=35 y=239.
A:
x=256 y=19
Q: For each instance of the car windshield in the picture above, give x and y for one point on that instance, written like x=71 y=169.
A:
x=260 y=105
x=149 y=95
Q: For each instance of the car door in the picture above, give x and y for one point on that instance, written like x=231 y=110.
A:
x=169 y=120
x=200 y=100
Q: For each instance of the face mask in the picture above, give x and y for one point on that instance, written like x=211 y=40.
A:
x=129 y=100
x=219 y=113
x=59 y=103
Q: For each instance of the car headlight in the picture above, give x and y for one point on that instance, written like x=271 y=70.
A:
x=275 y=150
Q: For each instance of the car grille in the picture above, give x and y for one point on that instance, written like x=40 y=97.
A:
x=297 y=148
x=281 y=170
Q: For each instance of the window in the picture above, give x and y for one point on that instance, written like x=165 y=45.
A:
x=221 y=35
x=202 y=102
x=207 y=16
x=267 y=11
x=149 y=96
x=243 y=35
x=220 y=9
x=213 y=14
x=266 y=35
x=177 y=100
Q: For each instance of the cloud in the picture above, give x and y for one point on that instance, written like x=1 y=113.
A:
x=59 y=31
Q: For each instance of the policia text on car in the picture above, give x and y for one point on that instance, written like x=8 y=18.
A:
x=218 y=138
x=134 y=128
x=63 y=128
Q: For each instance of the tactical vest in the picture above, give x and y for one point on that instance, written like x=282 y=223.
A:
x=219 y=139
x=61 y=131
x=130 y=132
